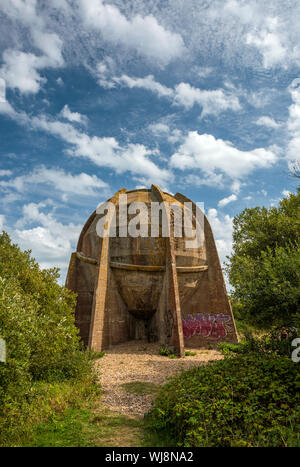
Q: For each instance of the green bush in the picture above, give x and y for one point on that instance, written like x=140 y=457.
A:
x=246 y=400
x=37 y=324
x=263 y=268
x=166 y=351
x=270 y=343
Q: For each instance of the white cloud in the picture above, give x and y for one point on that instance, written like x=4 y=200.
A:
x=106 y=151
x=212 y=155
x=222 y=227
x=159 y=128
x=81 y=184
x=73 y=116
x=236 y=186
x=163 y=130
x=267 y=121
x=223 y=202
x=261 y=30
x=214 y=180
x=2 y=221
x=7 y=109
x=286 y=193
x=21 y=70
x=51 y=241
x=269 y=44
x=212 y=102
x=104 y=72
x=102 y=151
x=5 y=173
x=293 y=123
x=144 y=34
x=148 y=83
x=203 y=72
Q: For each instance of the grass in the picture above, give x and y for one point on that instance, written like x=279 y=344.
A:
x=86 y=428
x=140 y=388
x=88 y=424
x=189 y=353
x=46 y=401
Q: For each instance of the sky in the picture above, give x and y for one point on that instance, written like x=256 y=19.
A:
x=200 y=97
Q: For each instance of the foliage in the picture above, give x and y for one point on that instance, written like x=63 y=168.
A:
x=246 y=400
x=264 y=266
x=271 y=343
x=94 y=355
x=189 y=353
x=81 y=427
x=166 y=351
x=37 y=323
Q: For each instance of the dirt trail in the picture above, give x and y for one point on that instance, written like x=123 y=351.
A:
x=139 y=361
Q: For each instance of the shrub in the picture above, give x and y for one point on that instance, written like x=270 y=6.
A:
x=37 y=323
x=239 y=401
x=189 y=353
x=166 y=351
x=270 y=343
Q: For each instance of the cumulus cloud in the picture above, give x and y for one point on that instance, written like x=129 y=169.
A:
x=51 y=241
x=7 y=109
x=269 y=44
x=5 y=173
x=106 y=151
x=64 y=182
x=73 y=116
x=2 y=221
x=148 y=83
x=214 y=180
x=144 y=34
x=162 y=130
x=104 y=71
x=293 y=123
x=102 y=151
x=21 y=69
x=223 y=202
x=211 y=155
x=211 y=101
x=222 y=227
x=267 y=121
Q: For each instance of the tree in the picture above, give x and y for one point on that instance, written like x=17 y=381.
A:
x=295 y=169
x=264 y=266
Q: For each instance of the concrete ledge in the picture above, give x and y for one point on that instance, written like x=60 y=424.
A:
x=86 y=259
x=135 y=267
x=191 y=268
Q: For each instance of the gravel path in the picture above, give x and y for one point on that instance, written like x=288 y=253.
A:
x=140 y=361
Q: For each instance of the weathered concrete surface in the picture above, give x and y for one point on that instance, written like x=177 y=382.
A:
x=150 y=288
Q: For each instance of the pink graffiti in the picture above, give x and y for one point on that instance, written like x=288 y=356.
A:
x=205 y=325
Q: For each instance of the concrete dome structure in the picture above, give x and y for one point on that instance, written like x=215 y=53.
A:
x=160 y=288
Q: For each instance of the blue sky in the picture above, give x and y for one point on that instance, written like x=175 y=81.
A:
x=195 y=96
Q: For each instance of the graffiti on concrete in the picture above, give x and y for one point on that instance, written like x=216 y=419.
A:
x=205 y=325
